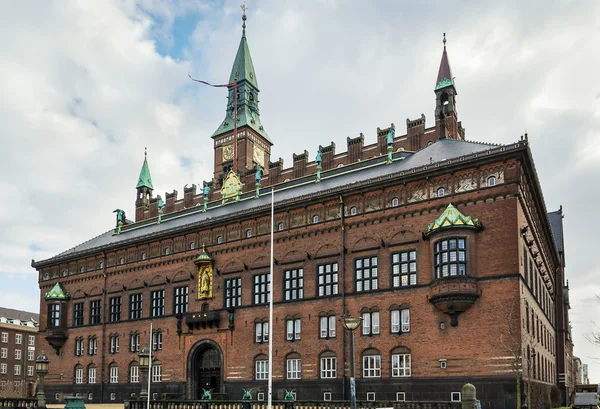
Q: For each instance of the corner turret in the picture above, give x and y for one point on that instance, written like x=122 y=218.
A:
x=144 y=189
x=446 y=116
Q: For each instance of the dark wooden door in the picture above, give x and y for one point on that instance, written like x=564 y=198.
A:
x=209 y=371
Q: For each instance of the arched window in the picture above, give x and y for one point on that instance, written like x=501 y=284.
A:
x=101 y=264
x=491 y=181
x=92 y=373
x=113 y=373
x=395 y=202
x=219 y=239
x=79 y=346
x=81 y=269
x=156 y=371
x=143 y=255
x=293 y=366
x=192 y=245
x=444 y=99
x=327 y=325
x=249 y=233
x=353 y=211
x=328 y=365
x=261 y=365
x=400 y=319
x=157 y=340
x=370 y=321
x=114 y=343
x=280 y=226
x=122 y=261
x=78 y=373
x=440 y=192
x=315 y=219
x=400 y=362
x=167 y=251
x=92 y=345
x=134 y=372
x=371 y=363
x=429 y=143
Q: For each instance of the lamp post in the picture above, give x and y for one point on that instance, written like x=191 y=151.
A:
x=41 y=368
x=351 y=323
x=144 y=364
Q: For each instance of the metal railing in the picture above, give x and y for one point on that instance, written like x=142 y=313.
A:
x=18 y=403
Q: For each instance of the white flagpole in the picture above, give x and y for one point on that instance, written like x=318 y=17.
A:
x=270 y=387
x=150 y=366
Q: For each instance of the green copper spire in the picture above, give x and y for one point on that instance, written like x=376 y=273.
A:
x=145 y=179
x=452 y=217
x=57 y=293
x=246 y=91
x=444 y=78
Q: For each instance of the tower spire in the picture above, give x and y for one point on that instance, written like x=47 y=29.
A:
x=444 y=77
x=145 y=180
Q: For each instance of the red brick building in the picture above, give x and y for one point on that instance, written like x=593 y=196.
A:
x=442 y=245
x=18 y=333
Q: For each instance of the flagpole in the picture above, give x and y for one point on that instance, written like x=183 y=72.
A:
x=270 y=387
x=150 y=366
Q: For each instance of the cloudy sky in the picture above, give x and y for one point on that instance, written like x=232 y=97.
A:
x=88 y=84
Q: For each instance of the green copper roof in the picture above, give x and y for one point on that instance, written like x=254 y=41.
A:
x=243 y=69
x=145 y=179
x=57 y=293
x=444 y=82
x=444 y=78
x=204 y=256
x=452 y=217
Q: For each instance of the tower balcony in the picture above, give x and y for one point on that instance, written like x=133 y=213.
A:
x=203 y=319
x=453 y=295
x=57 y=337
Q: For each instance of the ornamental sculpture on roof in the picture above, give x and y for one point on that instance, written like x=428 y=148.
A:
x=452 y=218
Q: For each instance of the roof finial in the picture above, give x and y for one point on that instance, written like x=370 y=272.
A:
x=244 y=8
x=145 y=151
x=444 y=40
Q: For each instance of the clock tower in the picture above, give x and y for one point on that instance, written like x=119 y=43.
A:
x=252 y=144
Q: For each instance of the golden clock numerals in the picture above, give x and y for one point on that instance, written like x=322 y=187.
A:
x=258 y=155
x=227 y=152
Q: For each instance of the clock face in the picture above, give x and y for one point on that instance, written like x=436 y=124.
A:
x=258 y=155
x=228 y=152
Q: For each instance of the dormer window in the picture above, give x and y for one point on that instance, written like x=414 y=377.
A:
x=315 y=219
x=440 y=192
x=192 y=245
x=491 y=181
x=280 y=226
x=219 y=239
x=167 y=251
x=353 y=211
x=81 y=269
x=121 y=261
x=144 y=255
x=249 y=233
x=395 y=202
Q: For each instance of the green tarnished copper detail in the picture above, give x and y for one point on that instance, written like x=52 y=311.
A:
x=57 y=293
x=444 y=82
x=452 y=217
x=246 y=117
x=243 y=69
x=145 y=180
x=204 y=256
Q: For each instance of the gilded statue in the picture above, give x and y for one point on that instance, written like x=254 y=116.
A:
x=205 y=281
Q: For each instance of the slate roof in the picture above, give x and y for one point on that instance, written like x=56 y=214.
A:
x=11 y=314
x=556 y=224
x=344 y=177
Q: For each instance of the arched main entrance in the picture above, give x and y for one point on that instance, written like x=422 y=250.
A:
x=205 y=363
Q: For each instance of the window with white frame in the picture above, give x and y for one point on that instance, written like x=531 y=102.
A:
x=440 y=192
x=371 y=396
x=31 y=340
x=114 y=374
x=134 y=342
x=157 y=340
x=219 y=239
x=395 y=202
x=79 y=374
x=79 y=346
x=370 y=323
x=262 y=368
x=491 y=181
x=280 y=226
x=134 y=373
x=262 y=332
x=400 y=396
x=156 y=371
x=326 y=396
x=328 y=365
x=450 y=257
x=327 y=326
x=455 y=397
x=2 y=386
x=114 y=343
x=315 y=219
x=400 y=320
x=328 y=279
x=17 y=354
x=17 y=387
x=29 y=370
x=353 y=211
x=18 y=370
x=366 y=274
x=92 y=345
x=18 y=339
x=293 y=367
x=404 y=268
x=5 y=337
x=400 y=363
x=262 y=288
x=293 y=329
x=249 y=233
x=293 y=284
x=371 y=364
x=3 y=368
x=92 y=374
x=30 y=355
x=4 y=353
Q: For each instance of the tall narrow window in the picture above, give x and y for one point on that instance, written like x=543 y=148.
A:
x=79 y=346
x=78 y=314
x=156 y=371
x=328 y=278
x=53 y=315
x=366 y=274
x=92 y=374
x=400 y=320
x=95 y=312
x=233 y=292
x=262 y=332
x=400 y=363
x=135 y=306
x=404 y=268
x=78 y=374
x=328 y=365
x=134 y=342
x=450 y=257
x=134 y=373
x=157 y=340
x=440 y=192
x=370 y=323
x=158 y=303
x=262 y=288
x=491 y=181
x=294 y=284
x=114 y=343
x=115 y=309
x=293 y=326
x=181 y=299
x=262 y=368
x=114 y=374
x=92 y=345
x=327 y=326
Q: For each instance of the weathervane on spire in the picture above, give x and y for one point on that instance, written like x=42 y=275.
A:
x=444 y=40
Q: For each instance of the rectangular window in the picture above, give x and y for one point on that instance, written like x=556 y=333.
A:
x=293 y=328
x=326 y=396
x=328 y=367
x=134 y=374
x=114 y=344
x=404 y=268
x=233 y=292
x=3 y=368
x=262 y=332
x=262 y=369
x=79 y=375
x=78 y=314
x=134 y=342
x=366 y=274
x=294 y=284
x=371 y=396
x=18 y=339
x=4 y=352
x=262 y=288
x=115 y=309
x=180 y=295
x=29 y=370
x=400 y=396
x=95 y=312
x=92 y=346
x=17 y=370
x=400 y=365
x=2 y=386
x=450 y=257
x=5 y=337
x=156 y=373
x=53 y=316
x=328 y=277
x=135 y=306
x=17 y=354
x=158 y=303
x=92 y=375
x=17 y=387
x=114 y=374
x=327 y=326
x=371 y=366
x=32 y=340
x=30 y=355
x=370 y=323
x=400 y=321
x=294 y=368
x=79 y=346
x=157 y=341
x=455 y=397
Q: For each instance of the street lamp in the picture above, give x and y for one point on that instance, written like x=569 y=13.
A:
x=351 y=323
x=144 y=365
x=41 y=368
